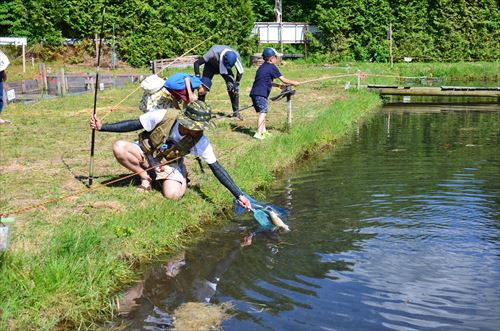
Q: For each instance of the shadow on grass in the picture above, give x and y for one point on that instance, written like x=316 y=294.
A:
x=241 y=129
x=196 y=188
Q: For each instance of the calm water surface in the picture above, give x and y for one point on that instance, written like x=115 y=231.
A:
x=397 y=229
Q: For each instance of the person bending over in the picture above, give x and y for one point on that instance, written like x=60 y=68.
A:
x=219 y=60
x=182 y=86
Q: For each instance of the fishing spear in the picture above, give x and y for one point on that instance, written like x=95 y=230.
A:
x=91 y=166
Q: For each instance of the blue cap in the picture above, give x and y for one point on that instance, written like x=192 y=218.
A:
x=229 y=59
x=268 y=52
x=205 y=81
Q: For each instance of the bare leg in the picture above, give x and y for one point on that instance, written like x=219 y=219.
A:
x=261 y=123
x=173 y=189
x=129 y=156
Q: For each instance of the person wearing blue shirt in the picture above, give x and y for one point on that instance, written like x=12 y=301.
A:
x=261 y=88
x=182 y=85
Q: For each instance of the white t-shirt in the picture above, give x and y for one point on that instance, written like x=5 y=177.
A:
x=203 y=148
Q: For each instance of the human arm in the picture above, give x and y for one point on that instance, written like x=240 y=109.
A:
x=238 y=77
x=192 y=97
x=288 y=81
x=123 y=126
x=196 y=66
x=226 y=180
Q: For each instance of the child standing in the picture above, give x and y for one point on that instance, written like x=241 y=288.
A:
x=262 y=85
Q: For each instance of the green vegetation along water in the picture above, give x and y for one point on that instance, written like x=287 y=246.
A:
x=397 y=229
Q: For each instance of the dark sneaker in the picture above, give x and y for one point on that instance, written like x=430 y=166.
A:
x=236 y=114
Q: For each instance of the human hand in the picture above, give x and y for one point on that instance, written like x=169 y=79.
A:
x=246 y=240
x=192 y=97
x=95 y=122
x=235 y=89
x=244 y=202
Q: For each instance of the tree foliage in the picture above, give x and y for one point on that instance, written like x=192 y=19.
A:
x=442 y=30
x=446 y=30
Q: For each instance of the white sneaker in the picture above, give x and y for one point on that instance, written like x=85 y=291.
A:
x=259 y=136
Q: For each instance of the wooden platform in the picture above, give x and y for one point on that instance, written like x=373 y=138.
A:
x=458 y=91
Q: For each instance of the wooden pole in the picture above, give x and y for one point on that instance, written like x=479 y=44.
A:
x=58 y=84
x=43 y=75
x=359 y=79
x=63 y=83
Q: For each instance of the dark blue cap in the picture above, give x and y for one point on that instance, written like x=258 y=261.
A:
x=205 y=81
x=229 y=59
x=268 y=52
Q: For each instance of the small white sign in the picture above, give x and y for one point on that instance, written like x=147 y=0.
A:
x=406 y=98
x=11 y=95
x=101 y=86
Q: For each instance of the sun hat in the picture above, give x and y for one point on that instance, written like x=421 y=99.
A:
x=196 y=116
x=205 y=81
x=268 y=52
x=229 y=59
x=152 y=84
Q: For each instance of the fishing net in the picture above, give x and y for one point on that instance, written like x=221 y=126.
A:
x=260 y=211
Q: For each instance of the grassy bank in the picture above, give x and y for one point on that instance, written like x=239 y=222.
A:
x=69 y=260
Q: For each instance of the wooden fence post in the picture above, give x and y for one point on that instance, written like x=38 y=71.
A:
x=359 y=79
x=58 y=84
x=43 y=74
x=63 y=83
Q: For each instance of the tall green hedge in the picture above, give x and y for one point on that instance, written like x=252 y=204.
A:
x=434 y=30
x=428 y=30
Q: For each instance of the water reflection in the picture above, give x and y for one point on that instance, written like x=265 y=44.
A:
x=397 y=229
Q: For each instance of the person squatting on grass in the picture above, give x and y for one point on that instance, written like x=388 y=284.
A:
x=262 y=85
x=219 y=60
x=4 y=63
x=181 y=86
x=167 y=137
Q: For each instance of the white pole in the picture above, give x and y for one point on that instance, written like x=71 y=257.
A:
x=24 y=58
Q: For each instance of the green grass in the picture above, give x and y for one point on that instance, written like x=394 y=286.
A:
x=70 y=260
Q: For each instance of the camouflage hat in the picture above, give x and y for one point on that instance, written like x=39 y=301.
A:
x=196 y=116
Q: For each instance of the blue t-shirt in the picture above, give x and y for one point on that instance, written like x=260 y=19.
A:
x=176 y=81
x=264 y=79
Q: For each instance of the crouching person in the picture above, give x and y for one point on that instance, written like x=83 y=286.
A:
x=167 y=138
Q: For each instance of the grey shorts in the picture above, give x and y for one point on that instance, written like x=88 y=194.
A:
x=259 y=103
x=180 y=172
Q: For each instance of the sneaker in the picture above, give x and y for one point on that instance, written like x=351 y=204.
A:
x=259 y=136
x=236 y=114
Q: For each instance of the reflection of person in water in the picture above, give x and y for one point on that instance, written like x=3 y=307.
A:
x=205 y=289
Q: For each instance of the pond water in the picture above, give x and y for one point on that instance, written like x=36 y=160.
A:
x=396 y=229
